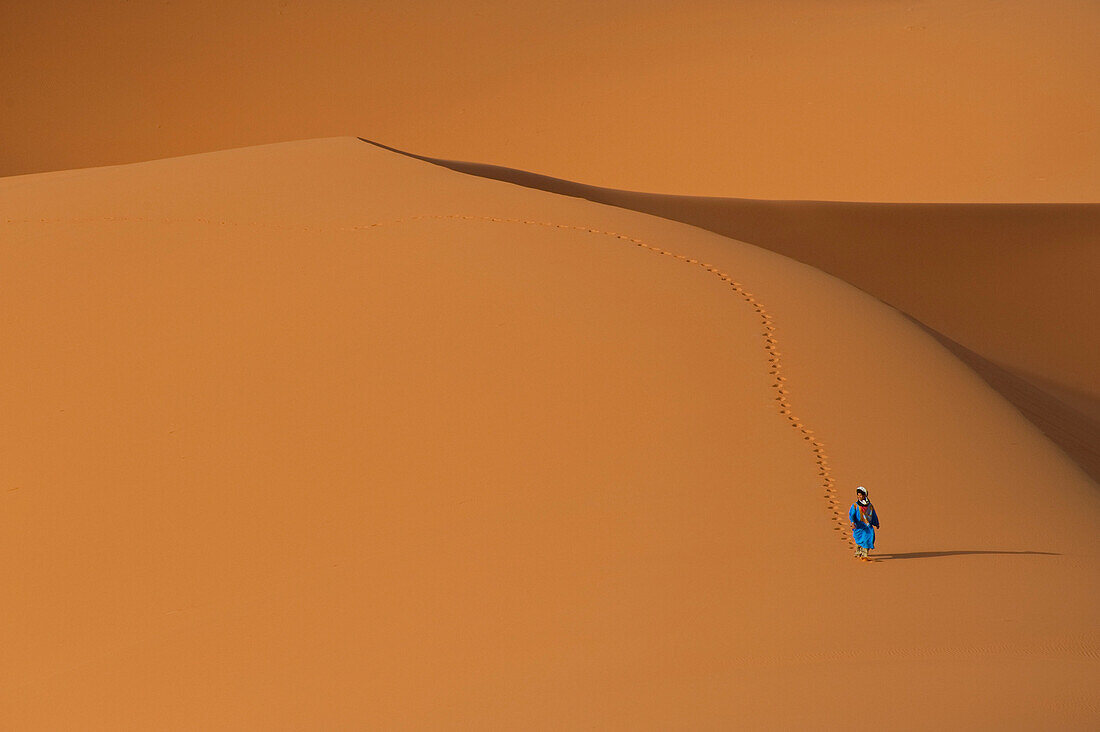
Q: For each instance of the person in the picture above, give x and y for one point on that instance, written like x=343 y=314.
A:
x=864 y=522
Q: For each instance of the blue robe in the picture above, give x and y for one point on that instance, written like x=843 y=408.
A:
x=864 y=534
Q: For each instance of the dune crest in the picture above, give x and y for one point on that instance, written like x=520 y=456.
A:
x=1021 y=325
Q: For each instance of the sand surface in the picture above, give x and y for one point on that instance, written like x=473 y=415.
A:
x=1008 y=288
x=315 y=435
x=853 y=100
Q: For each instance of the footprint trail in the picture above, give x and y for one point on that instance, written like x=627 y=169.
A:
x=767 y=331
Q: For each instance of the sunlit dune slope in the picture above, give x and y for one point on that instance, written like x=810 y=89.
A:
x=316 y=435
x=1009 y=288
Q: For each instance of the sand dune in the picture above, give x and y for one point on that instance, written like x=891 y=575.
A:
x=316 y=435
x=850 y=100
x=1010 y=289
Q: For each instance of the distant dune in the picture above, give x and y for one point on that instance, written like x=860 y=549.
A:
x=843 y=100
x=1011 y=289
x=319 y=436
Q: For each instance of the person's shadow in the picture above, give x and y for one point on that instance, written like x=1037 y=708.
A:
x=926 y=555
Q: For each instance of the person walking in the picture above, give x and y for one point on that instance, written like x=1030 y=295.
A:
x=864 y=522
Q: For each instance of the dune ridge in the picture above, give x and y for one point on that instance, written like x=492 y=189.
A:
x=842 y=238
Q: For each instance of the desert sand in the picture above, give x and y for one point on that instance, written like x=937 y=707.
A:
x=300 y=432
x=1009 y=288
x=315 y=435
x=844 y=100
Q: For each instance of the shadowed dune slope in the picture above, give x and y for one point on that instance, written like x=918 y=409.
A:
x=316 y=435
x=1009 y=288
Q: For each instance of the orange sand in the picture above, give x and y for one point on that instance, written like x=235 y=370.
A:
x=1009 y=288
x=860 y=100
x=315 y=435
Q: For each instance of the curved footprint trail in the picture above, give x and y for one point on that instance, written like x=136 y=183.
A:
x=767 y=324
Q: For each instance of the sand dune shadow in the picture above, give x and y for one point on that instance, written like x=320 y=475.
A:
x=925 y=555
